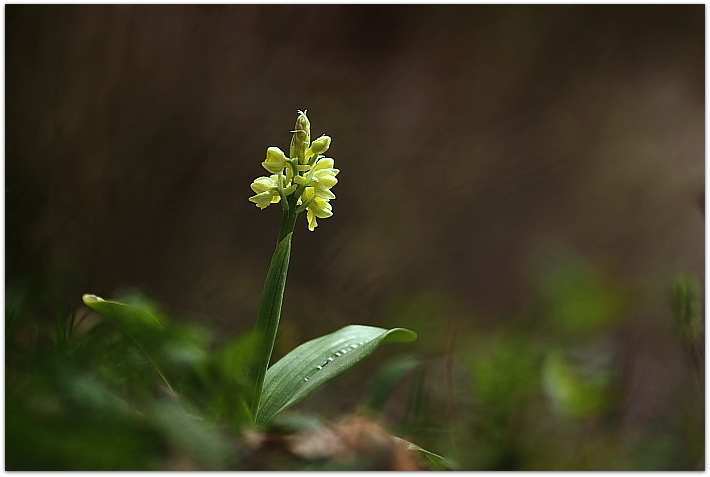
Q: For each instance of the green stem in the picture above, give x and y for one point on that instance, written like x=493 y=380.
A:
x=267 y=322
x=288 y=222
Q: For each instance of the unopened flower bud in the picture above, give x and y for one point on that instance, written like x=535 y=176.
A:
x=301 y=137
x=320 y=145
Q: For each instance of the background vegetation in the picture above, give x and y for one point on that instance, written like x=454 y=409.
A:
x=521 y=185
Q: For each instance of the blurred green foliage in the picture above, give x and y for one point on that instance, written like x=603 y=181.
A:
x=545 y=391
x=578 y=299
x=131 y=389
x=572 y=392
x=93 y=397
x=548 y=388
x=687 y=308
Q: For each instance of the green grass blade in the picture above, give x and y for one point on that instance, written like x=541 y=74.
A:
x=437 y=462
x=316 y=362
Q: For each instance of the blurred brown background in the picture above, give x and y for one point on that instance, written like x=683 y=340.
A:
x=479 y=145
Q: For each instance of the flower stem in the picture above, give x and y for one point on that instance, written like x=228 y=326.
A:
x=288 y=222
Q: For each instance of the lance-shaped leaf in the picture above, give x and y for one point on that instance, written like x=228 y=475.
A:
x=133 y=319
x=311 y=365
x=267 y=322
x=144 y=327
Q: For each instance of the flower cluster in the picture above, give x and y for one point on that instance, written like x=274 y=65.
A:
x=302 y=181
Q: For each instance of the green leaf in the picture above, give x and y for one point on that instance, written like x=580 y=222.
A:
x=133 y=319
x=437 y=462
x=143 y=326
x=316 y=362
x=267 y=322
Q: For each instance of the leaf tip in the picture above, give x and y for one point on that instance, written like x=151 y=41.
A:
x=403 y=335
x=89 y=299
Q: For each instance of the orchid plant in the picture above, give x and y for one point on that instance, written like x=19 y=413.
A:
x=239 y=379
x=301 y=181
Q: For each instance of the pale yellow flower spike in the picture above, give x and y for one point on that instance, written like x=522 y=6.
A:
x=302 y=181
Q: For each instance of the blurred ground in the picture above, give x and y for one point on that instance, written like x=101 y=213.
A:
x=503 y=168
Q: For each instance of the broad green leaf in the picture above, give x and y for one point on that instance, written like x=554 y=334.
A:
x=267 y=322
x=316 y=362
